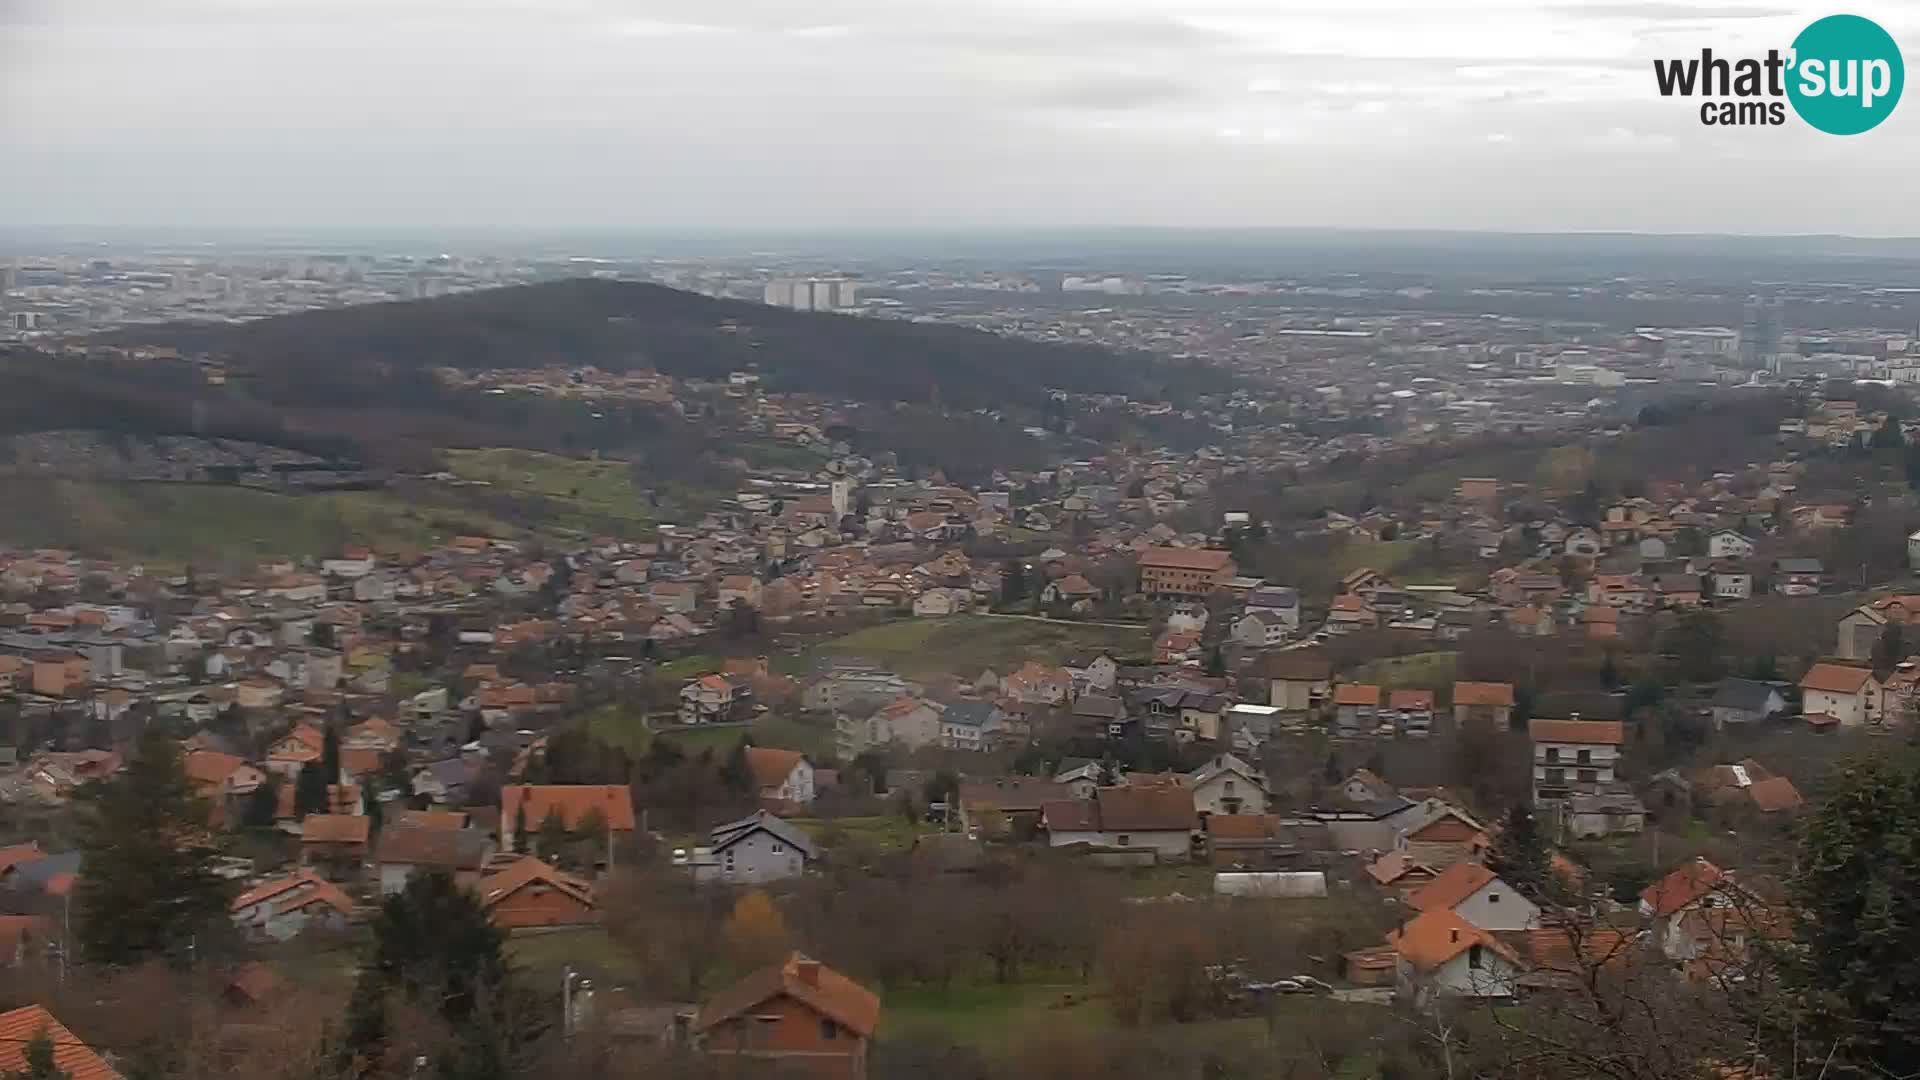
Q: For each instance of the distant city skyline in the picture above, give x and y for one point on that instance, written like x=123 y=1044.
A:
x=1498 y=115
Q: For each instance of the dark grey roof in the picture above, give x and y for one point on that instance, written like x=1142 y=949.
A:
x=1273 y=596
x=1099 y=706
x=1746 y=695
x=968 y=713
x=725 y=836
x=1799 y=566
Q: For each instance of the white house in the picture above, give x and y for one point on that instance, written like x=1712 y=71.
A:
x=1732 y=585
x=1913 y=551
x=1839 y=694
x=1573 y=756
x=783 y=777
x=1096 y=672
x=1728 y=544
x=280 y=909
x=1228 y=785
x=1440 y=954
x=1262 y=628
x=1477 y=895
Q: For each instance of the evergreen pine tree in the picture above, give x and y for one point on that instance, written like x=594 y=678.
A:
x=330 y=754
x=1520 y=855
x=149 y=885
x=520 y=829
x=263 y=806
x=39 y=1059
x=310 y=791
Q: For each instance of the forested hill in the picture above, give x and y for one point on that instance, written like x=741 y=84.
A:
x=341 y=355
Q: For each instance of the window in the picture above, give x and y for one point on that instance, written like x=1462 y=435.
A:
x=1553 y=753
x=1125 y=840
x=1556 y=776
x=1585 y=757
x=1493 y=898
x=1229 y=787
x=779 y=849
x=829 y=1029
x=1474 y=958
x=1589 y=776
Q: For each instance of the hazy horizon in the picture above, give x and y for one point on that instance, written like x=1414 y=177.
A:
x=1469 y=116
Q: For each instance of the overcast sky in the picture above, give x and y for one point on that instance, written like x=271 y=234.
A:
x=1466 y=114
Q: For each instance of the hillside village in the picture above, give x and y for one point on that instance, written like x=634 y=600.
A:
x=737 y=704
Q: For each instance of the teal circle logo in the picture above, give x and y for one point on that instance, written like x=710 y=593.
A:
x=1846 y=75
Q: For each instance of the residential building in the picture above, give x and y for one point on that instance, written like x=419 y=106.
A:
x=754 y=849
x=798 y=1014
x=1840 y=695
x=529 y=893
x=715 y=699
x=1486 y=705
x=529 y=806
x=404 y=850
x=282 y=908
x=1262 y=628
x=782 y=779
x=1440 y=954
x=1298 y=680
x=1573 y=756
x=1158 y=818
x=1477 y=895
x=1728 y=544
x=1746 y=701
x=1184 y=571
x=1228 y=785
x=72 y=1058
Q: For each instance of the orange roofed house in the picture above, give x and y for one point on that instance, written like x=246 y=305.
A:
x=1184 y=571
x=1839 y=695
x=783 y=779
x=1486 y=705
x=531 y=893
x=799 y=1016
x=71 y=1057
x=574 y=803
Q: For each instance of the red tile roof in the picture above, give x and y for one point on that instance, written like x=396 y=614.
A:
x=70 y=1055
x=1356 y=694
x=334 y=829
x=614 y=801
x=807 y=981
x=1454 y=884
x=770 y=767
x=1483 y=693
x=1835 y=678
x=1686 y=885
x=1578 y=732
x=1165 y=558
x=1438 y=936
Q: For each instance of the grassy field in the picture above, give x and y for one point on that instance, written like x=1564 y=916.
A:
x=176 y=524
x=1421 y=671
x=590 y=495
x=884 y=832
x=628 y=730
x=967 y=644
x=541 y=958
x=987 y=1014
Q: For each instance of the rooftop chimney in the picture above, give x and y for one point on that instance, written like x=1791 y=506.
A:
x=809 y=971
